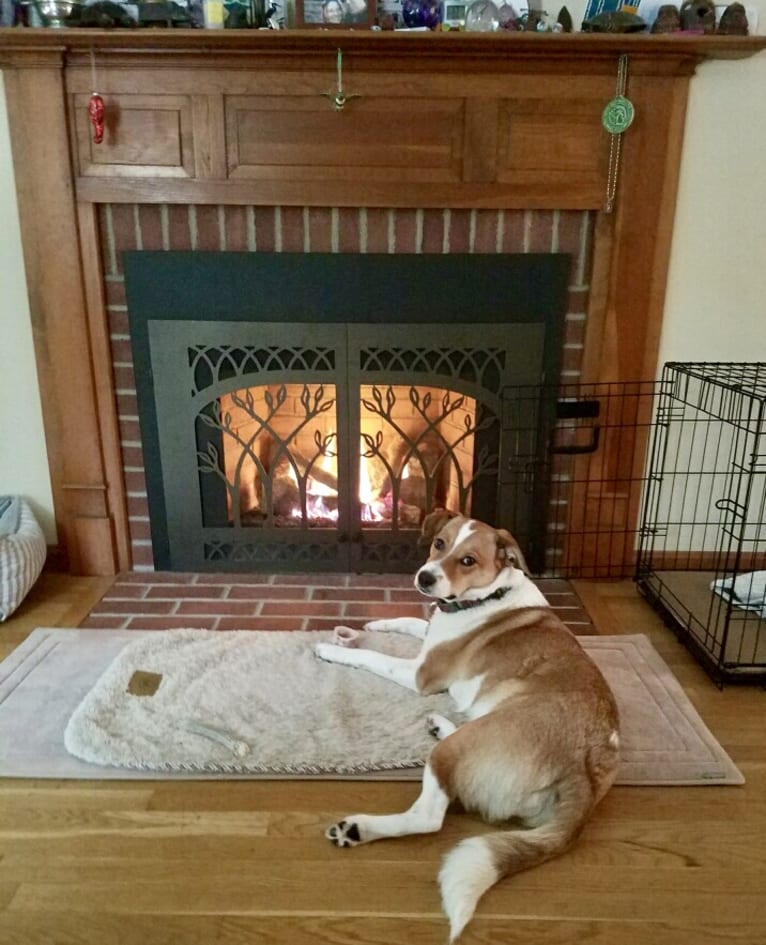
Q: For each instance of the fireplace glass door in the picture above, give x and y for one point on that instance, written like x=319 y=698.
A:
x=324 y=446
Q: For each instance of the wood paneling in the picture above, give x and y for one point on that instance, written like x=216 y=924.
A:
x=304 y=138
x=144 y=136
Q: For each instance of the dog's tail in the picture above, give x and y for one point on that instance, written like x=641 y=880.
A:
x=476 y=864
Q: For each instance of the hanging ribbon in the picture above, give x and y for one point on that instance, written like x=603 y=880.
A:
x=617 y=117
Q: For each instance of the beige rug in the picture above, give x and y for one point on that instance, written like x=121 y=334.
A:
x=288 y=715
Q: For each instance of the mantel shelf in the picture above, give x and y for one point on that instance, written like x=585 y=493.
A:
x=494 y=49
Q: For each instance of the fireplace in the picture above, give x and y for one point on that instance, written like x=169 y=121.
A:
x=448 y=143
x=305 y=411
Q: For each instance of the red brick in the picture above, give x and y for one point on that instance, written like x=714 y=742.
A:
x=291 y=219
x=142 y=556
x=319 y=623
x=315 y=580
x=513 y=231
x=320 y=229
x=172 y=623
x=348 y=230
x=266 y=591
x=541 y=231
x=404 y=597
x=377 y=611
x=236 y=231
x=301 y=608
x=126 y=591
x=115 y=291
x=127 y=405
x=265 y=229
x=139 y=530
x=179 y=231
x=150 y=226
x=569 y=230
x=377 y=230
x=154 y=607
x=133 y=456
x=574 y=331
x=217 y=608
x=123 y=230
x=158 y=577
x=208 y=228
x=405 y=231
x=485 y=238
x=346 y=594
x=459 y=231
x=259 y=623
x=130 y=430
x=124 y=377
x=380 y=580
x=234 y=578
x=433 y=231
x=577 y=301
x=186 y=591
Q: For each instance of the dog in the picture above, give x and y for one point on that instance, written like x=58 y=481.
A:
x=540 y=744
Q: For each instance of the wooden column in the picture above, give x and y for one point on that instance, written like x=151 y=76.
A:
x=51 y=245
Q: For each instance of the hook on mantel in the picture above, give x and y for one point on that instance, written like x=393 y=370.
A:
x=338 y=96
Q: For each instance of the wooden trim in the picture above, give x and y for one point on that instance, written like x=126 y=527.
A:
x=292 y=47
x=103 y=383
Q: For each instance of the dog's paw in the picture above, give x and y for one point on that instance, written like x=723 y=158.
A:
x=438 y=726
x=327 y=652
x=382 y=626
x=345 y=833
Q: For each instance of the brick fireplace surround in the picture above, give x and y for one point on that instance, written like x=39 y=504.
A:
x=456 y=143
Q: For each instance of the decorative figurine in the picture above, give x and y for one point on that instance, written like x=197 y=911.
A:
x=565 y=20
x=614 y=21
x=734 y=21
x=698 y=16
x=668 y=19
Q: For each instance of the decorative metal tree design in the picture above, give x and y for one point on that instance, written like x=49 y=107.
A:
x=302 y=468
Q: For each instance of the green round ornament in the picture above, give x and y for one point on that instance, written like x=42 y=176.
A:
x=618 y=115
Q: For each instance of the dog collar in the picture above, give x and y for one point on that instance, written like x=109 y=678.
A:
x=453 y=606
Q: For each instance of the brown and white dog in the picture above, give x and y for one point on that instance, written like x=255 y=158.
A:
x=540 y=743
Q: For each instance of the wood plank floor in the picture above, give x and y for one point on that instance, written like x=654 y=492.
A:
x=170 y=863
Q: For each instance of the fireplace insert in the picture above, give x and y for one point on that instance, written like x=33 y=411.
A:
x=306 y=411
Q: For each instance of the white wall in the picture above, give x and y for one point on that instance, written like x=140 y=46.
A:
x=23 y=459
x=716 y=302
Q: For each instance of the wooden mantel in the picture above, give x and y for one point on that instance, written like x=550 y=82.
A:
x=227 y=117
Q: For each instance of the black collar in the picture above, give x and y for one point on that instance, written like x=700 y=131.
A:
x=453 y=606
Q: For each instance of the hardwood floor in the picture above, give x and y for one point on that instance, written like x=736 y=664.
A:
x=171 y=863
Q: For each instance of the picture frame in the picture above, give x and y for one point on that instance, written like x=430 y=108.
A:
x=335 y=14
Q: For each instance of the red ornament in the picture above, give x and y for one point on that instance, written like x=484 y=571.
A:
x=96 y=113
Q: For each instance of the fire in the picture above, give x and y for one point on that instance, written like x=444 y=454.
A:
x=373 y=508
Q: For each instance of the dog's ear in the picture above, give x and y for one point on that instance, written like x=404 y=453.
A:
x=433 y=523
x=508 y=548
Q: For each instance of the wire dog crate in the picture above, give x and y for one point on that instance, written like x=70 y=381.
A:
x=702 y=545
x=575 y=469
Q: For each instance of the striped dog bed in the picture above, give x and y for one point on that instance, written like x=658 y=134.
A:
x=22 y=552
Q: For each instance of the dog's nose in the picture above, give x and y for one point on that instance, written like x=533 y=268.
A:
x=425 y=580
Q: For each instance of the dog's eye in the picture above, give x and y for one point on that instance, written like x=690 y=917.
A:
x=438 y=543
x=468 y=561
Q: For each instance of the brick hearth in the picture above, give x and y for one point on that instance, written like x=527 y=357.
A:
x=165 y=601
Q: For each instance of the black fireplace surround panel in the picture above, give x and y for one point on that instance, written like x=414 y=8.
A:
x=361 y=338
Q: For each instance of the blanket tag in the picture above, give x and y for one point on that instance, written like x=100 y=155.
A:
x=143 y=683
